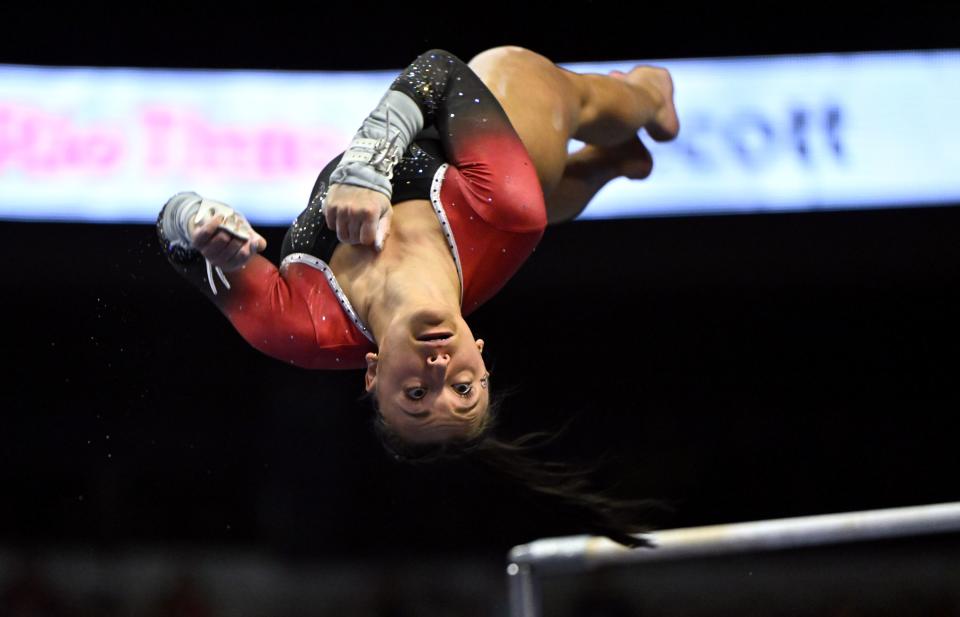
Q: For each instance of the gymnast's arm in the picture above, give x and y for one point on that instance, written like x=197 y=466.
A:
x=437 y=90
x=270 y=312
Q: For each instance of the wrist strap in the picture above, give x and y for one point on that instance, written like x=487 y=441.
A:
x=188 y=208
x=380 y=154
x=379 y=144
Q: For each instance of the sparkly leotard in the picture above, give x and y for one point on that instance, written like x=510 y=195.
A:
x=472 y=166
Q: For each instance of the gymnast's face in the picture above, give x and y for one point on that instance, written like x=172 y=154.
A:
x=429 y=379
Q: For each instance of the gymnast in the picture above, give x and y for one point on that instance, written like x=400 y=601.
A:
x=442 y=194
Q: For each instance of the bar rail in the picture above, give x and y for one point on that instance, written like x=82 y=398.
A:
x=578 y=553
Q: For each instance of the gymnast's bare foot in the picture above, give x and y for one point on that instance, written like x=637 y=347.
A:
x=656 y=83
x=634 y=160
x=631 y=159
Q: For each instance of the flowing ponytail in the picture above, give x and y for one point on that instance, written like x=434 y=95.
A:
x=561 y=484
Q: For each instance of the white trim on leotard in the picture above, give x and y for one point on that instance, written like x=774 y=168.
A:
x=444 y=222
x=319 y=264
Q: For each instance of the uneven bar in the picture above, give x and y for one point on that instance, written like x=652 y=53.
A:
x=578 y=553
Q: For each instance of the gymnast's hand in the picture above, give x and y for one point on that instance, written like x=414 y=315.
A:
x=223 y=249
x=360 y=215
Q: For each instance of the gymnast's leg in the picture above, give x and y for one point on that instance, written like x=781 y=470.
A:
x=549 y=105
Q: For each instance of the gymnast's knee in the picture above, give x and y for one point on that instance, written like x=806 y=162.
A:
x=514 y=53
x=499 y=51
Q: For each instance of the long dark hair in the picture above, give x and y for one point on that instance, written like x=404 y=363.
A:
x=562 y=483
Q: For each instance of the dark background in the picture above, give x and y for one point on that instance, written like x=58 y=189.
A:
x=739 y=367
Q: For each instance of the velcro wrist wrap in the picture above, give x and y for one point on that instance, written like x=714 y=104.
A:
x=175 y=218
x=380 y=154
x=379 y=144
x=186 y=211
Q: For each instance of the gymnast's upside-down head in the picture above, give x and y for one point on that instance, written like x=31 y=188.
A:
x=428 y=380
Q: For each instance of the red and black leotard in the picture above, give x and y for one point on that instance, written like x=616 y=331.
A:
x=472 y=166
